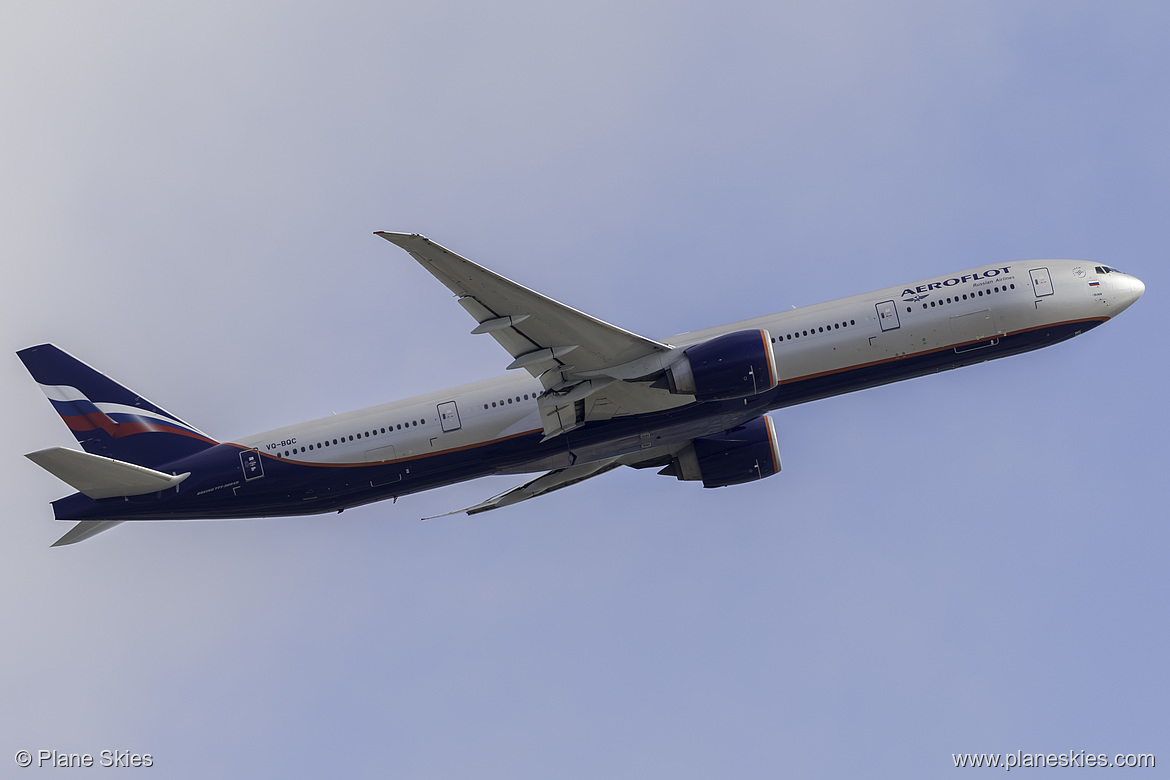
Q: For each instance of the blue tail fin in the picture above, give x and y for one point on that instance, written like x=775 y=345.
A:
x=107 y=418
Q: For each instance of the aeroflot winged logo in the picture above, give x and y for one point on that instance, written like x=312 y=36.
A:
x=922 y=291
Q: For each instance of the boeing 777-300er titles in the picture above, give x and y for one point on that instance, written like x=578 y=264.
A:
x=589 y=397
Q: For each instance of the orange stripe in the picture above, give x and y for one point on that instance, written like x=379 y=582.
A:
x=773 y=444
x=773 y=379
x=775 y=453
x=95 y=421
x=931 y=351
x=383 y=462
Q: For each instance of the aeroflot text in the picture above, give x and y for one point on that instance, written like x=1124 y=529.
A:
x=957 y=280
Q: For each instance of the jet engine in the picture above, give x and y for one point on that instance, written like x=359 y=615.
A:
x=742 y=454
x=735 y=365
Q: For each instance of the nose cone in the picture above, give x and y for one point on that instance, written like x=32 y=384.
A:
x=1129 y=289
x=1136 y=288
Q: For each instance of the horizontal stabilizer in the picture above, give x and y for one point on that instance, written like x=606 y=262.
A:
x=100 y=477
x=84 y=530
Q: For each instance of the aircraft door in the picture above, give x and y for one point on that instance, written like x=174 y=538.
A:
x=887 y=314
x=449 y=416
x=1041 y=282
x=974 y=330
x=251 y=464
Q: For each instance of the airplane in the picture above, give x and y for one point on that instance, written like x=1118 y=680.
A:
x=581 y=397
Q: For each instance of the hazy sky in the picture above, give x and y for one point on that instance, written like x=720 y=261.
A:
x=970 y=562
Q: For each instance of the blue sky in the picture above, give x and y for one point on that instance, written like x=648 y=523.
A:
x=970 y=562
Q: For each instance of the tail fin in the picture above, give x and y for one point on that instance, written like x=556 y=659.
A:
x=106 y=418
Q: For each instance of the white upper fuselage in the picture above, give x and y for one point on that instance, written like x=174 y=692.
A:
x=964 y=311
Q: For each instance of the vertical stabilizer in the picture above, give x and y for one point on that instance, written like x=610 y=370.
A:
x=106 y=418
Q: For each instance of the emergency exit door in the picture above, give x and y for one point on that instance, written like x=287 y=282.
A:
x=449 y=416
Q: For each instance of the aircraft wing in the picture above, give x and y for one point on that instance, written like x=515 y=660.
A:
x=562 y=478
x=545 y=483
x=551 y=340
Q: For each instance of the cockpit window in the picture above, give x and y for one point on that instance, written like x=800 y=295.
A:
x=1104 y=269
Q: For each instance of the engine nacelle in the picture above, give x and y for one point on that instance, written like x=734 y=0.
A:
x=743 y=454
x=735 y=365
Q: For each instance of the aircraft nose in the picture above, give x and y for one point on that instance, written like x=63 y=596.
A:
x=1136 y=287
x=1129 y=289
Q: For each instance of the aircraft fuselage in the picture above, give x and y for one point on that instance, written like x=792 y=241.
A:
x=495 y=427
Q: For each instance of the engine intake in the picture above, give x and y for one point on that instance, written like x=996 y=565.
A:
x=744 y=454
x=735 y=365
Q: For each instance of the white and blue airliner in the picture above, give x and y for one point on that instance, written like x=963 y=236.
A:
x=583 y=397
